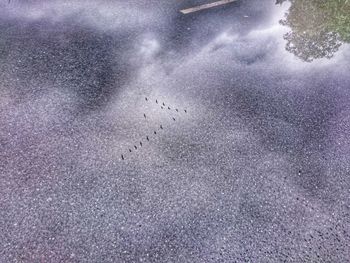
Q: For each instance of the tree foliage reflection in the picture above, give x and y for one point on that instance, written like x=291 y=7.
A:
x=318 y=27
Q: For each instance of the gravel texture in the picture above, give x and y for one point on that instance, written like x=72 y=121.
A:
x=256 y=170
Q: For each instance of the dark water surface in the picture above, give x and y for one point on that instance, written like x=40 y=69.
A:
x=256 y=170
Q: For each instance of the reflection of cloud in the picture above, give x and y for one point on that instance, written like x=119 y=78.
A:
x=104 y=15
x=149 y=48
x=222 y=40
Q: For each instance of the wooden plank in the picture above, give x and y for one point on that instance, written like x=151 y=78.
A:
x=205 y=6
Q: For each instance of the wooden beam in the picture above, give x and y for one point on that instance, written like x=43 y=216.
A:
x=205 y=6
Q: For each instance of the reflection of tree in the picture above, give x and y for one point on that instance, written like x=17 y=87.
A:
x=318 y=27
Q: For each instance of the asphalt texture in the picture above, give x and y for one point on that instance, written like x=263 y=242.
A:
x=130 y=132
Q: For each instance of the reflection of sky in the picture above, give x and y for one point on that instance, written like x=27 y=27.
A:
x=258 y=169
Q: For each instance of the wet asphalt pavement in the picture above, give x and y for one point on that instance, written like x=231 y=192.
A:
x=247 y=160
